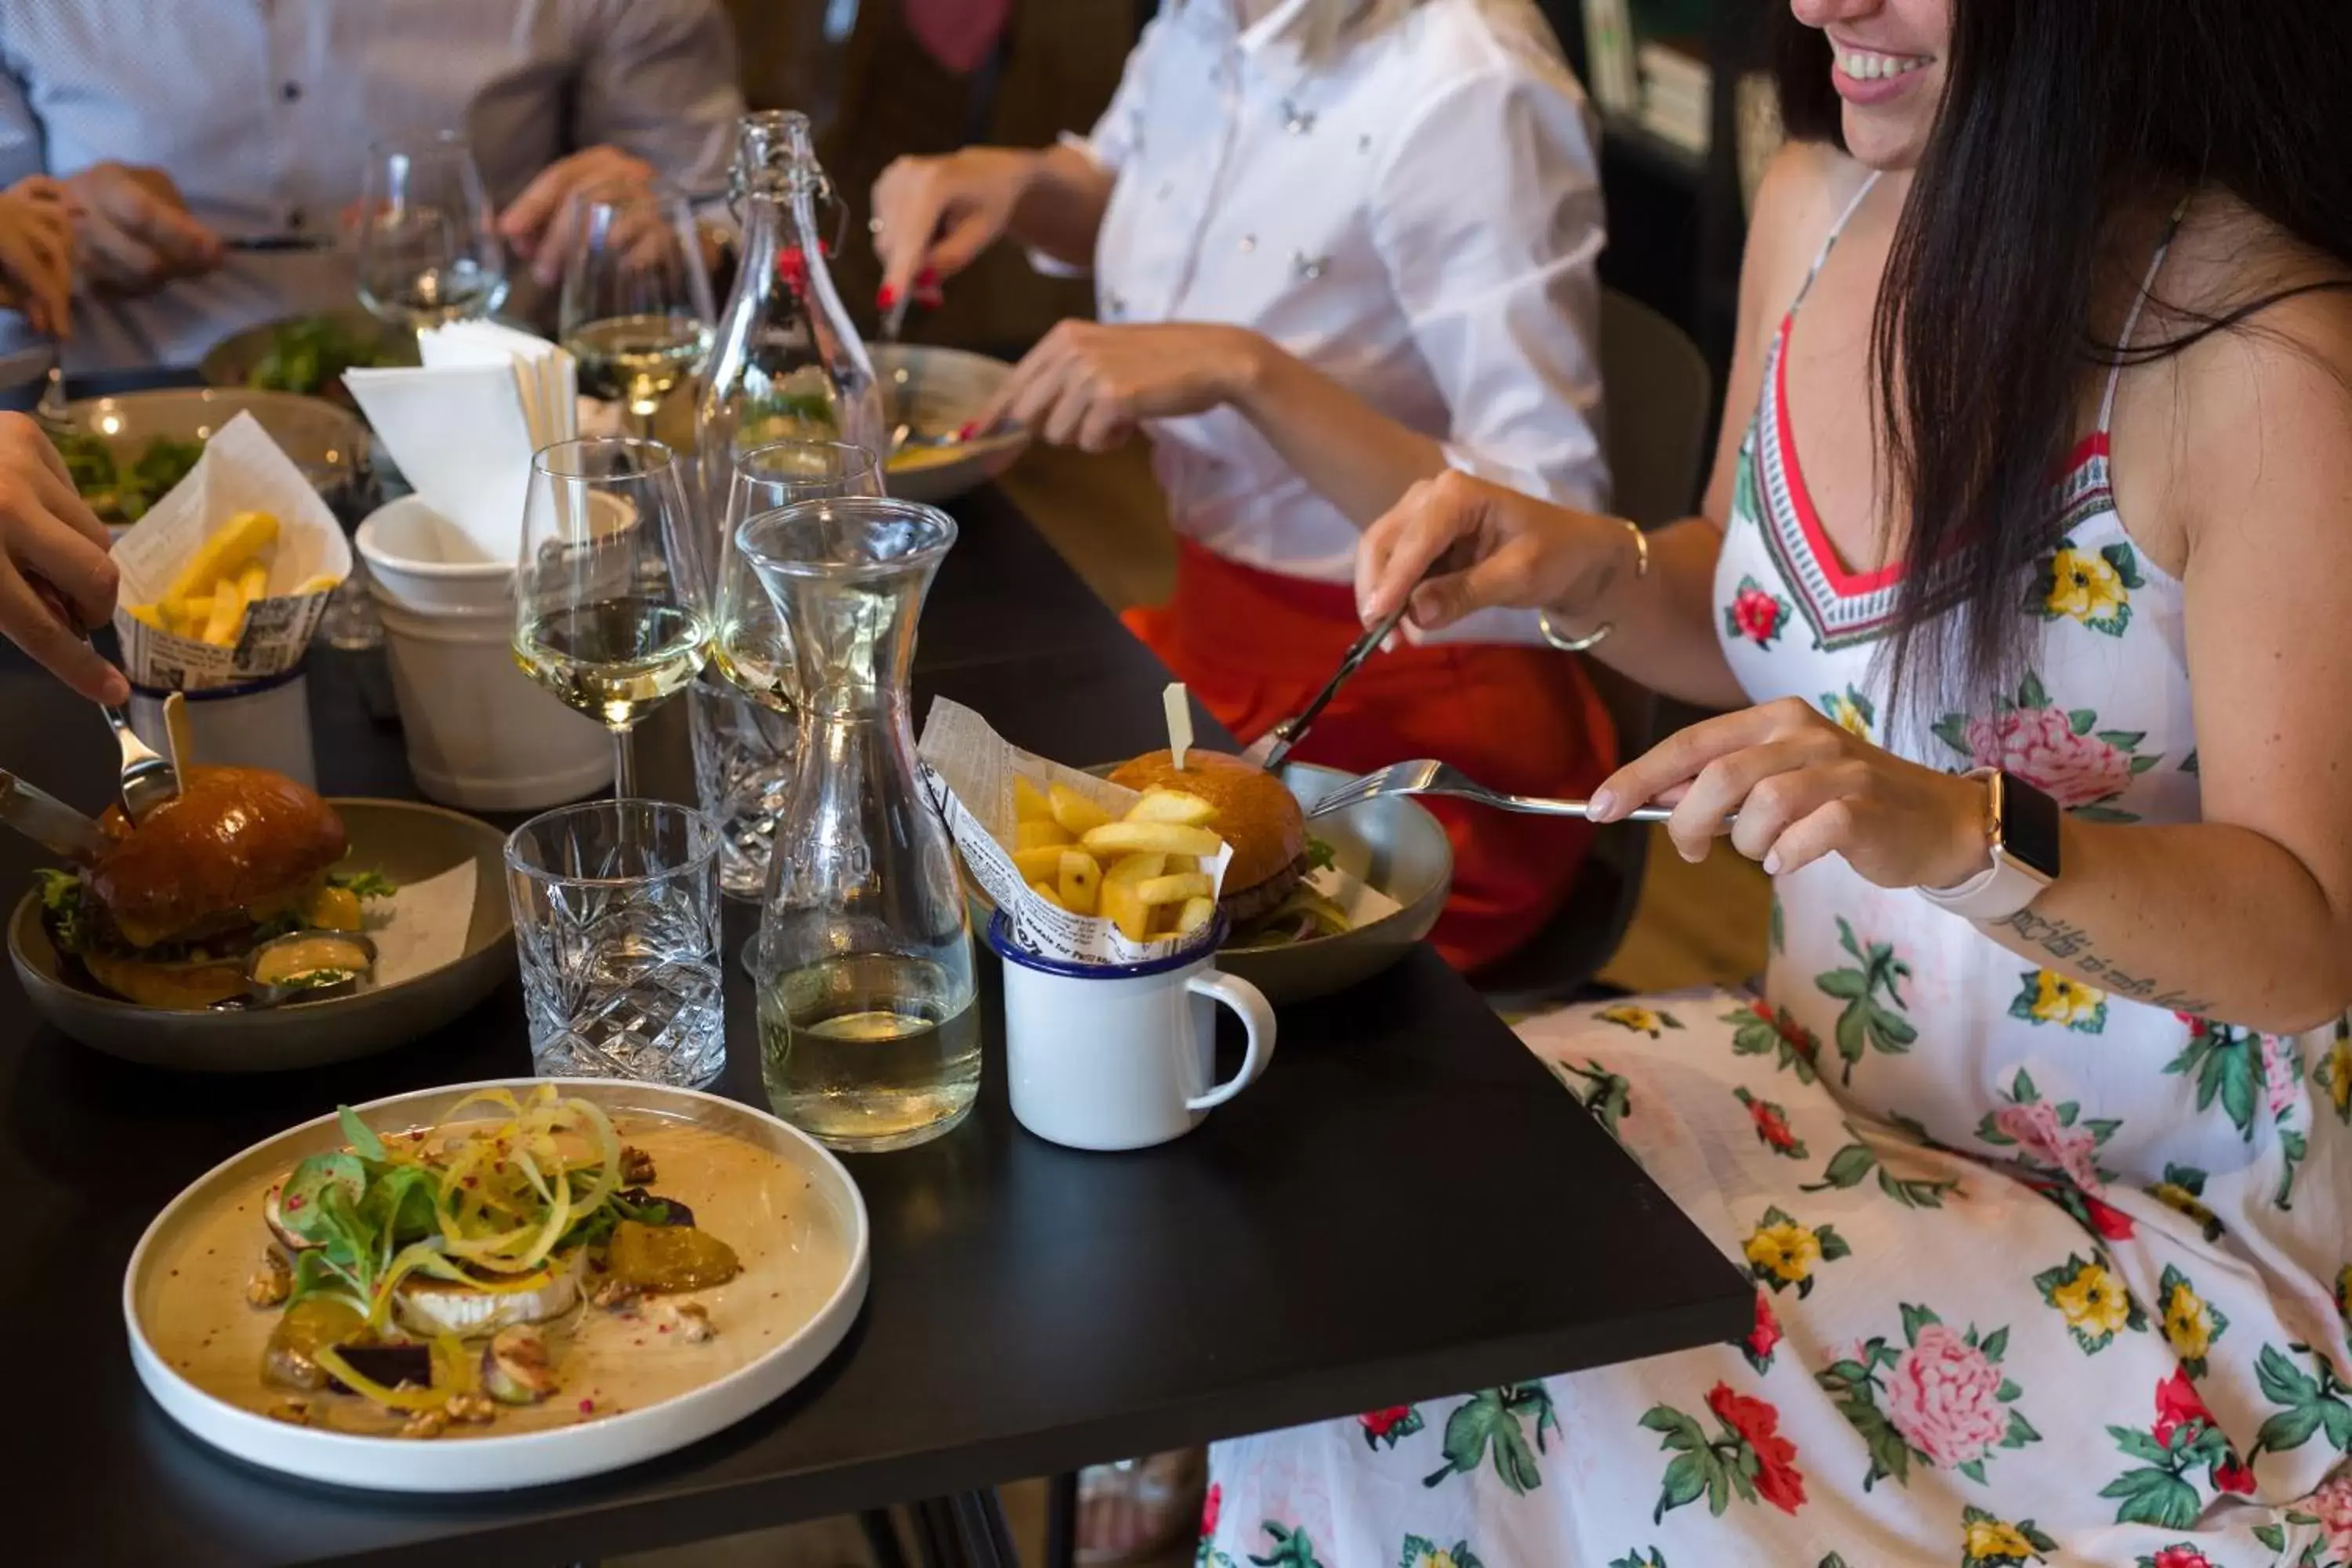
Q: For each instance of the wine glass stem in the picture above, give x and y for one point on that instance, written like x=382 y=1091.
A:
x=625 y=764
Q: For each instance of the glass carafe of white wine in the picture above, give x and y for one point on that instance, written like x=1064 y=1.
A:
x=786 y=362
x=869 y=1036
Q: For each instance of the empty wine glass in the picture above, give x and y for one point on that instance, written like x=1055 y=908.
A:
x=635 y=305
x=429 y=242
x=611 y=610
x=743 y=731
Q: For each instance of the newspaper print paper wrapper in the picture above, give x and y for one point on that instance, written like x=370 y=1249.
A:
x=241 y=470
x=969 y=770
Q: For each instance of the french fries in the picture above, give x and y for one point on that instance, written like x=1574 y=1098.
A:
x=1040 y=835
x=1133 y=838
x=1143 y=872
x=228 y=575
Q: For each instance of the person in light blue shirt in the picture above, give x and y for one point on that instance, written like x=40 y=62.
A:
x=177 y=127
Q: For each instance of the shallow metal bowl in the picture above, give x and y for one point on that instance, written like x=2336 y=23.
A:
x=951 y=387
x=1393 y=844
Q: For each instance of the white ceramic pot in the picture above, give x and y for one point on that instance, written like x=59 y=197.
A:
x=481 y=735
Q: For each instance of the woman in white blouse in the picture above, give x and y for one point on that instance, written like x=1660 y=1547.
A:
x=1339 y=246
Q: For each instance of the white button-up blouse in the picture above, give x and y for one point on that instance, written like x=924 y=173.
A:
x=1416 y=213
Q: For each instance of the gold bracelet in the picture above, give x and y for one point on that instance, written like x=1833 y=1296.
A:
x=1594 y=638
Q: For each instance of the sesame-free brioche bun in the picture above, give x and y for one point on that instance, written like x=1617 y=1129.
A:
x=233 y=837
x=1255 y=814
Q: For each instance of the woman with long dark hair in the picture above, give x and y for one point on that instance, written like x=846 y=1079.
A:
x=2031 y=540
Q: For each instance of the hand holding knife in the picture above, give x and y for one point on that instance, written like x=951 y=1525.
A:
x=48 y=821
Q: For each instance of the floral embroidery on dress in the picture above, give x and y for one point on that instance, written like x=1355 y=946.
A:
x=2329 y=1508
x=1421 y=1552
x=1761 y=1029
x=2092 y=586
x=1748 y=1455
x=2334 y=1074
x=2045 y=996
x=1782 y=1253
x=2191 y=1324
x=1850 y=711
x=1765 y=1337
x=1943 y=1400
x=1291 y=1548
x=1387 y=1428
x=2185 y=1439
x=2063 y=753
x=1988 y=1540
x=2314 y=1401
x=2051 y=1139
x=1641 y=1020
x=2182 y=1554
x=1866 y=1022
x=1772 y=1129
x=1605 y=1093
x=1857 y=1160
x=1491 y=1417
x=2097 y=1305
x=1755 y=613
x=1637 y=1558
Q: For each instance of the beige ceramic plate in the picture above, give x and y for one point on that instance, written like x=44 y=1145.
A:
x=629 y=1392
x=407 y=842
x=1393 y=844
x=951 y=388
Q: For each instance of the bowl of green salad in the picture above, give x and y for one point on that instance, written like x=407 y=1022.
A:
x=125 y=452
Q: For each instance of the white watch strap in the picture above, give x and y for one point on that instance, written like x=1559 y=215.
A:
x=1997 y=893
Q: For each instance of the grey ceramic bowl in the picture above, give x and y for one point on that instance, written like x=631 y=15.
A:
x=405 y=841
x=950 y=386
x=1393 y=844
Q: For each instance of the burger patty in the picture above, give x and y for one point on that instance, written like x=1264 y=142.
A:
x=1255 y=903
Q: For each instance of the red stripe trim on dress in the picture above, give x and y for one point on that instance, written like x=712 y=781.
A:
x=1844 y=583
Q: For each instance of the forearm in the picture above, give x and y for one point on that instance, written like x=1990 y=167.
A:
x=2203 y=918
x=1060 y=209
x=1662 y=630
x=1357 y=458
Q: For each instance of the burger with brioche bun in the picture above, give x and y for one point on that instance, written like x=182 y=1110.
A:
x=1265 y=898
x=169 y=914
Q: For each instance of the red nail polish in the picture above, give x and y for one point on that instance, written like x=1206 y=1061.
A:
x=930 y=298
x=929 y=277
x=886 y=298
x=969 y=431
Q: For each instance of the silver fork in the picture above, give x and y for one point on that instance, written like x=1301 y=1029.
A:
x=1429 y=776
x=147 y=780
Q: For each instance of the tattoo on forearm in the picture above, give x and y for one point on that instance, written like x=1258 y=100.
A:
x=2071 y=946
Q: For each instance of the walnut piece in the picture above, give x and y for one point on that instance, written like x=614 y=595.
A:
x=636 y=1166
x=425 y=1424
x=694 y=1325
x=272 y=1284
x=475 y=1408
x=613 y=1294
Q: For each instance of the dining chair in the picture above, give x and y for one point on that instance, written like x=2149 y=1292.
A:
x=1657 y=393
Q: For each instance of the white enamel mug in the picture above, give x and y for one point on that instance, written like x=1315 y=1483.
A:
x=1122 y=1056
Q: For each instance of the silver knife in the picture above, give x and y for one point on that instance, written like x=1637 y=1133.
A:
x=48 y=821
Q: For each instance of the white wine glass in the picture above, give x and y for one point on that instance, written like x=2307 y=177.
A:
x=635 y=307
x=749 y=639
x=429 y=252
x=611 y=610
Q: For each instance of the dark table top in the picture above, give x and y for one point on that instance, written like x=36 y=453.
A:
x=1405 y=1206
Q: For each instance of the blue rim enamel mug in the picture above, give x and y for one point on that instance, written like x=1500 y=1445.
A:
x=1123 y=1056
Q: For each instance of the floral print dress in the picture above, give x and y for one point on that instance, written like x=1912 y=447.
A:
x=2045 y=1273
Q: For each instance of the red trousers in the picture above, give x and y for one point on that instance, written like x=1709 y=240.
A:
x=1254 y=645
